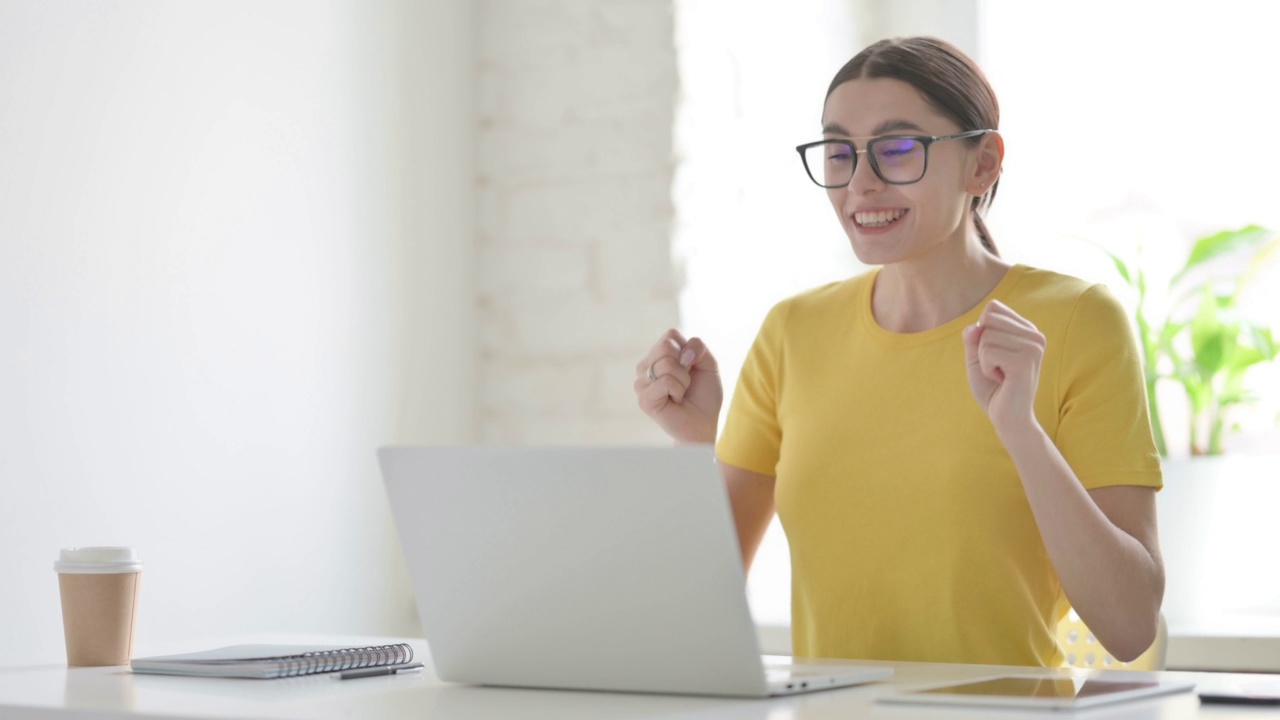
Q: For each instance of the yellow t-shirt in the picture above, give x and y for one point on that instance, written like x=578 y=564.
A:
x=910 y=533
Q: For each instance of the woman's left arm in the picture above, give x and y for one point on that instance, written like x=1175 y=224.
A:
x=1102 y=543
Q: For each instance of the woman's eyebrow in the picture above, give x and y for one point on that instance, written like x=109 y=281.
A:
x=882 y=128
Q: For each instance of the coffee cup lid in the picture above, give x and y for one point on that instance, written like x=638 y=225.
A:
x=98 y=560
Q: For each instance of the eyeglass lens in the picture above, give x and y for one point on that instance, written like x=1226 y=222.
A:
x=895 y=160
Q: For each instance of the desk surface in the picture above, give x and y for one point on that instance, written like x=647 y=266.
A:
x=1222 y=643
x=54 y=691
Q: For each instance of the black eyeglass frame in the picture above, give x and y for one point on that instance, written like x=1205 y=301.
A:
x=924 y=140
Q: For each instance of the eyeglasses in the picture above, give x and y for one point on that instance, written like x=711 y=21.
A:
x=896 y=159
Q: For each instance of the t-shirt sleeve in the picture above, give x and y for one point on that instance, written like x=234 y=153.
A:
x=1104 y=428
x=752 y=435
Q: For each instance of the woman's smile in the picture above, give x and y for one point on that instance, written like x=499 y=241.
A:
x=877 y=220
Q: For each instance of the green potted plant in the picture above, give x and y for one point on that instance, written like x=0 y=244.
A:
x=1203 y=342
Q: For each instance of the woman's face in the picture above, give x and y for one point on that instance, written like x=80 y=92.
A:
x=891 y=223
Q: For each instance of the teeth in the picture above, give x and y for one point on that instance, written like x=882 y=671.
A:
x=879 y=218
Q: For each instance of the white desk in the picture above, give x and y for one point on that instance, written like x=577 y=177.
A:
x=54 y=691
x=1225 y=643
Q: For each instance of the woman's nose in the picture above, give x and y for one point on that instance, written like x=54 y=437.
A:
x=864 y=178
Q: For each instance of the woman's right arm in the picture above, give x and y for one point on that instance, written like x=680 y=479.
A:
x=751 y=497
x=678 y=385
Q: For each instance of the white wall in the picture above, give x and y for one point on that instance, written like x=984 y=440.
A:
x=234 y=259
x=955 y=21
x=573 y=170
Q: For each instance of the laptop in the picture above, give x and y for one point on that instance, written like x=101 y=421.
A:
x=612 y=569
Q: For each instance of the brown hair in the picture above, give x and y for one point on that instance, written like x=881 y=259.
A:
x=948 y=79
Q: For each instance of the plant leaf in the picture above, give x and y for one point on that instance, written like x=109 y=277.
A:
x=1240 y=398
x=1264 y=342
x=1121 y=267
x=1242 y=357
x=1257 y=262
x=1207 y=337
x=1207 y=248
x=1169 y=332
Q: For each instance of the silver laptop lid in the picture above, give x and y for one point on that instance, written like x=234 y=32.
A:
x=585 y=568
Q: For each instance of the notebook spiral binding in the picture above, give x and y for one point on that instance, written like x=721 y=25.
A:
x=344 y=659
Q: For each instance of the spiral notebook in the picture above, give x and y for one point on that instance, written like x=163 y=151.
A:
x=273 y=661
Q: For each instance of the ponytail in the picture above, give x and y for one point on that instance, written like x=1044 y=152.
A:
x=978 y=207
x=985 y=235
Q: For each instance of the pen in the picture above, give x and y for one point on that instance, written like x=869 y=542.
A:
x=374 y=671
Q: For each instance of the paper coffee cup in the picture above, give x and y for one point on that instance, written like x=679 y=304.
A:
x=99 y=588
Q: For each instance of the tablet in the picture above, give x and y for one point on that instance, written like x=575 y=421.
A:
x=1061 y=693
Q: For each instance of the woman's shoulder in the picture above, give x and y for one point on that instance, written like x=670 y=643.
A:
x=1064 y=298
x=1059 y=288
x=1042 y=281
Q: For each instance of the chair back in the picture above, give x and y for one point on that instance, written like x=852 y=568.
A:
x=1083 y=650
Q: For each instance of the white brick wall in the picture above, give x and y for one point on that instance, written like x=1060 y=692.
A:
x=574 y=167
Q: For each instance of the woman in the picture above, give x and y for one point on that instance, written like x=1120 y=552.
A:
x=958 y=448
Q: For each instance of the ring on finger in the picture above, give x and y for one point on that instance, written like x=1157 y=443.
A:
x=649 y=373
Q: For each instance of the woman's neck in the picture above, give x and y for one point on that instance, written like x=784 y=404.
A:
x=935 y=288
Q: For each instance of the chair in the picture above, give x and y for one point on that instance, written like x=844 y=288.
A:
x=1084 y=651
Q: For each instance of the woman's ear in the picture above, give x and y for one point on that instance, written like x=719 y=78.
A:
x=986 y=171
